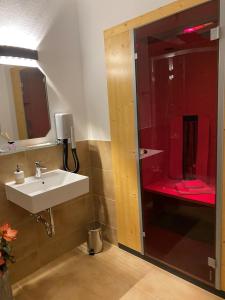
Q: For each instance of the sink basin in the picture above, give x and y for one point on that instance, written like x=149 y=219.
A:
x=53 y=188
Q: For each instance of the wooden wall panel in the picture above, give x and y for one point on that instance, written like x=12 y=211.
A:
x=121 y=106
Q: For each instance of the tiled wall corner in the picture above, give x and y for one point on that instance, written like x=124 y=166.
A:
x=103 y=188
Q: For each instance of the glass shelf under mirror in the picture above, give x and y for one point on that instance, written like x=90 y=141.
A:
x=6 y=151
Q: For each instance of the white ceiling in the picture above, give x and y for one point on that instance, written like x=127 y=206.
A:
x=24 y=23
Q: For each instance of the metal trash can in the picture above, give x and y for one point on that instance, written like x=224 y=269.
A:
x=95 y=240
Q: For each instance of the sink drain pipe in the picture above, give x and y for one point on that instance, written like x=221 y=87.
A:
x=48 y=224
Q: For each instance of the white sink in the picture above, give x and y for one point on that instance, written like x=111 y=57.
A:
x=54 y=187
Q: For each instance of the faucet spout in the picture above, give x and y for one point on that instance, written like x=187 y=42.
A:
x=39 y=169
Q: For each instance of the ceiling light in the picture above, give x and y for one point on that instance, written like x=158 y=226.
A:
x=18 y=56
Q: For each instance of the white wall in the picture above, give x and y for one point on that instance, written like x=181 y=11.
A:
x=60 y=59
x=51 y=27
x=94 y=17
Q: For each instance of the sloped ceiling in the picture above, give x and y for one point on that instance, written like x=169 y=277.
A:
x=23 y=23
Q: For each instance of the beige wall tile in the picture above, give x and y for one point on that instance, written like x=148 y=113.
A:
x=83 y=156
x=103 y=187
x=50 y=157
x=105 y=211
x=110 y=234
x=90 y=203
x=26 y=241
x=8 y=166
x=70 y=216
x=103 y=183
x=56 y=247
x=85 y=172
x=100 y=153
x=74 y=214
x=9 y=212
x=24 y=267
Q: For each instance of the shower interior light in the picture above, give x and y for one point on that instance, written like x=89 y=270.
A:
x=18 y=56
x=196 y=28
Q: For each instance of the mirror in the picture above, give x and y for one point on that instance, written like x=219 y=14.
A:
x=24 y=111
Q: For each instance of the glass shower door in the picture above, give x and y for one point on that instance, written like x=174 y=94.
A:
x=177 y=78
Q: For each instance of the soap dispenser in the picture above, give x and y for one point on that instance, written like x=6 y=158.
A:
x=19 y=175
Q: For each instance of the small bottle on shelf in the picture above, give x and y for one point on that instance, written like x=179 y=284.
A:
x=19 y=175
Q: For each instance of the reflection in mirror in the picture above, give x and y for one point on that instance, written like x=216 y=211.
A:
x=24 y=112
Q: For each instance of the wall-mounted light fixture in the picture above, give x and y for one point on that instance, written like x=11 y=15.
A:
x=18 y=56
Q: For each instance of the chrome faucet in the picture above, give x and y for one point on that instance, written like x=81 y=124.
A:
x=39 y=169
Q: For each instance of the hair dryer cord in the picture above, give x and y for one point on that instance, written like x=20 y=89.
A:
x=65 y=158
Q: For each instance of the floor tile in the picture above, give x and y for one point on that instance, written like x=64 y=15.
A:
x=111 y=275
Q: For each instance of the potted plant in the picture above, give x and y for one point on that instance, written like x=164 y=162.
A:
x=7 y=235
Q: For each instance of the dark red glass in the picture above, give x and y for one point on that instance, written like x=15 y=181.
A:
x=177 y=78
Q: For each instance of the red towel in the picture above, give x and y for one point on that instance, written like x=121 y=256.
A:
x=194 y=184
x=193 y=191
